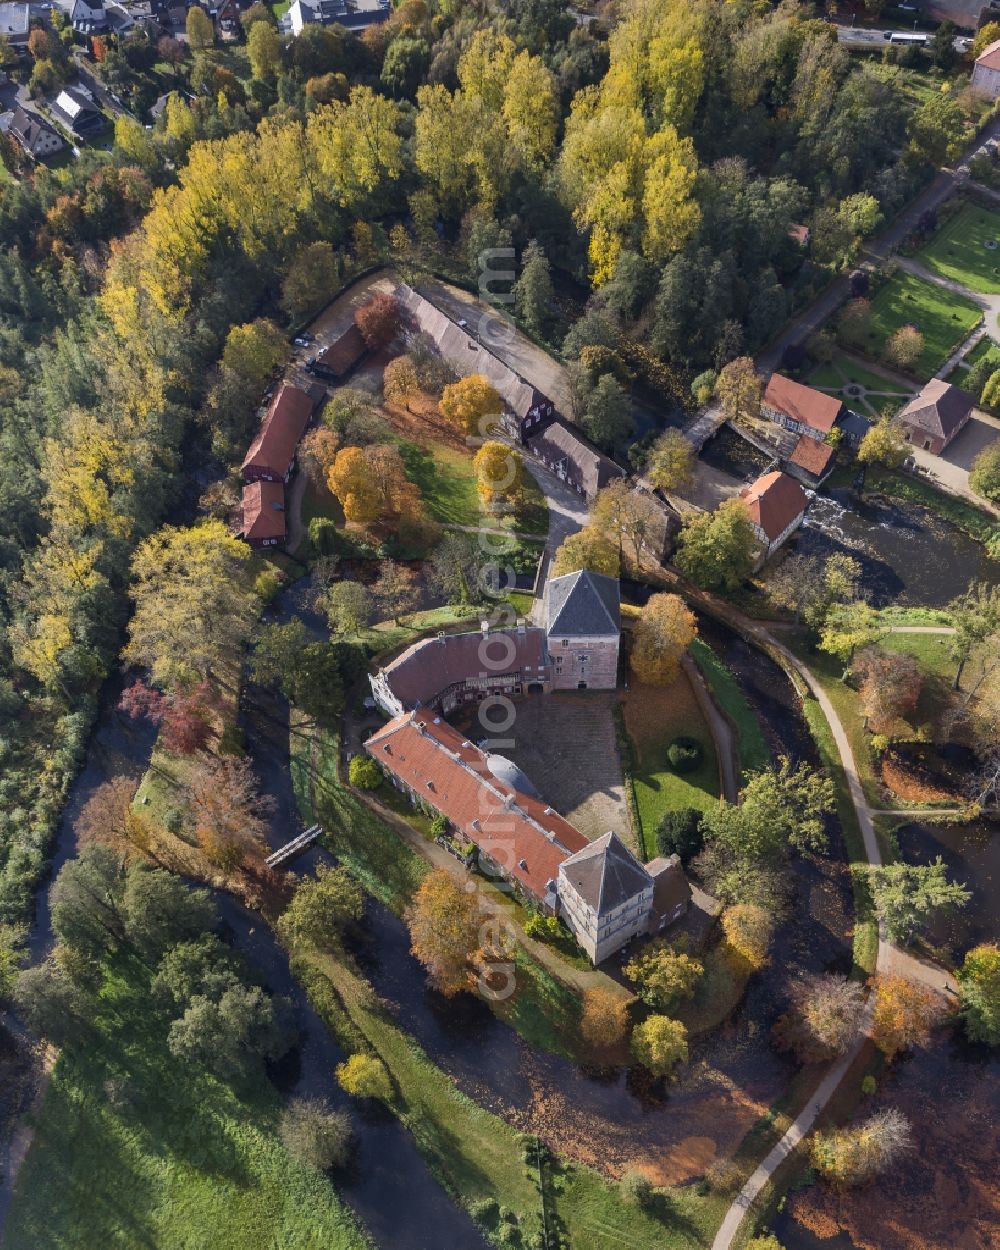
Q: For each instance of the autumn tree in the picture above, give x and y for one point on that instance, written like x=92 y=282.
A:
x=627 y=517
x=665 y=629
x=979 y=993
x=663 y=976
x=903 y=348
x=107 y=817
x=889 y=683
x=823 y=1018
x=364 y=1076
x=321 y=908
x=373 y=488
x=499 y=475
x=396 y=590
x=660 y=1044
x=228 y=813
x=904 y=1013
x=604 y=1021
x=194 y=604
x=445 y=932
x=671 y=463
x=199 y=28
x=590 y=548
x=184 y=717
x=739 y=390
x=264 y=50
x=399 y=381
x=379 y=319
x=984 y=476
x=854 y=1155
x=883 y=444
x=472 y=404
x=907 y=895
x=716 y=549
x=311 y=280
x=317 y=453
x=748 y=930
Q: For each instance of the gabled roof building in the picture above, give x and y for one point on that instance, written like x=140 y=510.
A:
x=36 y=138
x=800 y=408
x=272 y=453
x=777 y=504
x=932 y=419
x=568 y=455
x=263 y=514
x=75 y=108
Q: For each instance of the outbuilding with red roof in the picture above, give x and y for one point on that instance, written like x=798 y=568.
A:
x=777 y=504
x=799 y=407
x=272 y=453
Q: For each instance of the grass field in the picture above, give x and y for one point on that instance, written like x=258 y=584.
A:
x=842 y=371
x=754 y=752
x=958 y=250
x=932 y=651
x=477 y=1156
x=653 y=718
x=987 y=346
x=942 y=317
x=175 y=1159
x=447 y=482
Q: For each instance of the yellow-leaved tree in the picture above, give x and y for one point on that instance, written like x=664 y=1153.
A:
x=472 y=404
x=665 y=629
x=499 y=475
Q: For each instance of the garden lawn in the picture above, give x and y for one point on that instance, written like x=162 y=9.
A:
x=654 y=716
x=447 y=482
x=958 y=251
x=842 y=371
x=943 y=318
x=180 y=1160
x=987 y=346
x=931 y=650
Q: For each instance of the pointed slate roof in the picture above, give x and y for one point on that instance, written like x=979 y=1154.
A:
x=606 y=874
x=582 y=604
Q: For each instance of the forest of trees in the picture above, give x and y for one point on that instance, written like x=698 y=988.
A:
x=657 y=167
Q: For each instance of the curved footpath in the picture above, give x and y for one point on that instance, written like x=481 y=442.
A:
x=889 y=958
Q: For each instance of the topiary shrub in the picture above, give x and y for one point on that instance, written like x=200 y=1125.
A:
x=685 y=754
x=364 y=773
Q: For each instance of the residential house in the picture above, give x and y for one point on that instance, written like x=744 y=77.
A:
x=933 y=417
x=87 y=17
x=986 y=72
x=35 y=137
x=271 y=456
x=777 y=504
x=451 y=670
x=352 y=14
x=811 y=461
x=75 y=108
x=527 y=409
x=263 y=514
x=800 y=408
x=15 y=25
x=569 y=456
x=582 y=630
x=340 y=356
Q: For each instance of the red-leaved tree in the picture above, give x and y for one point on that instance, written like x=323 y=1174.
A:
x=379 y=320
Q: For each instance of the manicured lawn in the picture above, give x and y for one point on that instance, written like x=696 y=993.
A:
x=280 y=9
x=942 y=317
x=754 y=752
x=932 y=651
x=654 y=716
x=987 y=346
x=958 y=250
x=447 y=482
x=176 y=1159
x=841 y=372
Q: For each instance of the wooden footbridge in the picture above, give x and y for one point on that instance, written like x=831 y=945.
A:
x=297 y=844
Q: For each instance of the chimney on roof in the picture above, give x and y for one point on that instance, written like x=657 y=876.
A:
x=476 y=825
x=523 y=864
x=430 y=785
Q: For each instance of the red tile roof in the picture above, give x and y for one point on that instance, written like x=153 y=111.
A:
x=812 y=455
x=802 y=404
x=430 y=666
x=774 y=500
x=344 y=352
x=273 y=450
x=989 y=58
x=526 y=838
x=263 y=510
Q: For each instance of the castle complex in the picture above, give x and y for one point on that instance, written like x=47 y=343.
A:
x=601 y=890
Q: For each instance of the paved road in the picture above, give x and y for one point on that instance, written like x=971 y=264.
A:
x=876 y=253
